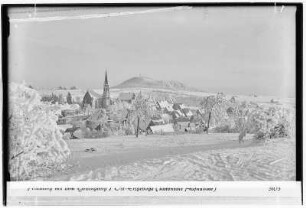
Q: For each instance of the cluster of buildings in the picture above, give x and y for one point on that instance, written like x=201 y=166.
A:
x=173 y=115
x=181 y=117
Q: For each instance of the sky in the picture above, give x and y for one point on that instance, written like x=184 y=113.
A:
x=237 y=50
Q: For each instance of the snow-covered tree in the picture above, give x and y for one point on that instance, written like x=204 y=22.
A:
x=61 y=99
x=36 y=146
x=141 y=111
x=213 y=108
x=263 y=121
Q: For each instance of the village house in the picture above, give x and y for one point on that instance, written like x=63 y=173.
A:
x=165 y=106
x=187 y=112
x=152 y=103
x=167 y=118
x=155 y=122
x=145 y=125
x=161 y=129
x=200 y=111
x=177 y=114
x=73 y=109
x=178 y=106
x=185 y=126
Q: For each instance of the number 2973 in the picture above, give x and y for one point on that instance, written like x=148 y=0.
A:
x=274 y=188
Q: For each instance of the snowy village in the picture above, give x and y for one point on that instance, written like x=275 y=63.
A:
x=94 y=134
x=151 y=94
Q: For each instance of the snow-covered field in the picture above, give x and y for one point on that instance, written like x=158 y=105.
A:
x=212 y=157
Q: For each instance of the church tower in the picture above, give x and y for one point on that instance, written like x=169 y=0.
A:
x=106 y=94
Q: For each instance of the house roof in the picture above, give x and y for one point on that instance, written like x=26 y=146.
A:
x=166 y=104
x=167 y=128
x=179 y=112
x=200 y=111
x=187 y=112
x=156 y=122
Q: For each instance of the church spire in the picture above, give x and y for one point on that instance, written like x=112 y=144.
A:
x=106 y=94
x=106 y=81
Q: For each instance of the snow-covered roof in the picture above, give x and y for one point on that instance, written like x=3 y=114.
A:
x=179 y=112
x=157 y=121
x=181 y=105
x=166 y=105
x=187 y=112
x=94 y=94
x=167 y=128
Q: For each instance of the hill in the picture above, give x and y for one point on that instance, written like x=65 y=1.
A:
x=146 y=82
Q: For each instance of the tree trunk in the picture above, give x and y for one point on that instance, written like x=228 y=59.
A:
x=209 y=117
x=137 y=129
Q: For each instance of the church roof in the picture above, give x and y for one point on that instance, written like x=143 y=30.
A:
x=94 y=94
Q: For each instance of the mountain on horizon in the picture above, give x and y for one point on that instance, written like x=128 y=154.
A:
x=146 y=82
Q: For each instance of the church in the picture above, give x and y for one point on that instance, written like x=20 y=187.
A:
x=95 y=100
